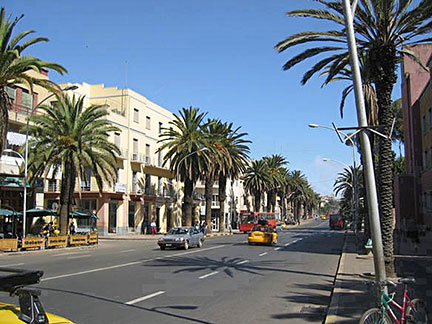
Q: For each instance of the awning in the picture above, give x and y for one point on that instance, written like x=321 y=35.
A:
x=35 y=212
x=14 y=138
x=9 y=181
x=7 y=212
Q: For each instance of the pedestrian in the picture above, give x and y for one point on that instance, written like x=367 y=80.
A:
x=93 y=221
x=144 y=226
x=71 y=227
x=153 y=227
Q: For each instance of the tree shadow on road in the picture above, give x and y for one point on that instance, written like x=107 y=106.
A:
x=228 y=265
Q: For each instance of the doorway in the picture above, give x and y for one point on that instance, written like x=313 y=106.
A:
x=112 y=217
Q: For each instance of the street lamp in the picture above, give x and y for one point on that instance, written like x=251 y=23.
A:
x=72 y=87
x=350 y=139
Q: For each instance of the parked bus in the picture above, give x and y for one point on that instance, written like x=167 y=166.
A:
x=249 y=219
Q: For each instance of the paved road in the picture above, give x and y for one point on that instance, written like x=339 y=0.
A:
x=226 y=281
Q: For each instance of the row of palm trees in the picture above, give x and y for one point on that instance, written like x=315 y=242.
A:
x=269 y=177
x=384 y=31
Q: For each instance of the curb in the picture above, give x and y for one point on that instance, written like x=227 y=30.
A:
x=331 y=316
x=69 y=248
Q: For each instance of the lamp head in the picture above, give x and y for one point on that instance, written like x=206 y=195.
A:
x=326 y=159
x=313 y=125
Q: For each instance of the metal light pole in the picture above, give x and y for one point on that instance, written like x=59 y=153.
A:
x=73 y=87
x=378 y=252
x=355 y=180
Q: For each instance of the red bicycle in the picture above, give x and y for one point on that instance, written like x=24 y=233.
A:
x=411 y=311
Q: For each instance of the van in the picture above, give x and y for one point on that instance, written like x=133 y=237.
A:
x=336 y=221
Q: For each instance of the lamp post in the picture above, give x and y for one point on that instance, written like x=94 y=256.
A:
x=72 y=87
x=348 y=138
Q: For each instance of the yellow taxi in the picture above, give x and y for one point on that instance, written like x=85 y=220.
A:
x=10 y=314
x=323 y=217
x=262 y=234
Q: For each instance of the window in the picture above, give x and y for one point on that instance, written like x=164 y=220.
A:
x=136 y=115
x=135 y=181
x=161 y=127
x=135 y=146
x=27 y=99
x=11 y=92
x=147 y=153
x=86 y=180
x=160 y=159
x=117 y=139
x=148 y=122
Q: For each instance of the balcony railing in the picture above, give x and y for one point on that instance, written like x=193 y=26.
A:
x=52 y=186
x=138 y=157
x=119 y=187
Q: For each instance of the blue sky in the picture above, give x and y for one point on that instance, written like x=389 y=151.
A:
x=215 y=55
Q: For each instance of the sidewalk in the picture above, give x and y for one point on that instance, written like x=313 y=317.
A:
x=354 y=291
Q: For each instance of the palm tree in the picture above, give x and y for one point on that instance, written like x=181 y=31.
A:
x=298 y=184
x=70 y=138
x=384 y=28
x=275 y=165
x=14 y=67
x=232 y=151
x=256 y=181
x=185 y=143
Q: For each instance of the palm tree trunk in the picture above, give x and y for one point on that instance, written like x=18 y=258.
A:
x=208 y=193
x=384 y=57
x=257 y=202
x=188 y=201
x=66 y=195
x=222 y=198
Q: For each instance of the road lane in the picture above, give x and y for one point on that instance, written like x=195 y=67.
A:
x=239 y=276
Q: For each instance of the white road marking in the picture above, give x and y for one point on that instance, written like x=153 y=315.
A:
x=287 y=244
x=241 y=262
x=263 y=253
x=67 y=253
x=79 y=256
x=12 y=265
x=127 y=264
x=277 y=249
x=157 y=293
x=208 y=274
x=131 y=250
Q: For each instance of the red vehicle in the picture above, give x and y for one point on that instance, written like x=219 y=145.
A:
x=336 y=221
x=249 y=219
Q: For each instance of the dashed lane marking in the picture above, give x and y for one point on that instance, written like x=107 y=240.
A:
x=277 y=249
x=242 y=262
x=264 y=253
x=208 y=274
x=157 y=293
x=12 y=265
x=130 y=250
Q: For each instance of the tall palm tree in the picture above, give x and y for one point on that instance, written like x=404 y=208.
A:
x=214 y=129
x=14 y=67
x=256 y=181
x=233 y=152
x=70 y=138
x=185 y=143
x=275 y=165
x=298 y=185
x=383 y=29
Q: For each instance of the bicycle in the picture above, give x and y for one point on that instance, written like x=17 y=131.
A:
x=411 y=311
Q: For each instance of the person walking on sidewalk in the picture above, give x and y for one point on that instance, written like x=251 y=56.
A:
x=144 y=226
x=153 y=227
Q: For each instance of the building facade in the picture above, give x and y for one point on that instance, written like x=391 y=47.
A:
x=413 y=190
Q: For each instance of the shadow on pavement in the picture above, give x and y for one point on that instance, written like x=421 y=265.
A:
x=225 y=264
x=157 y=309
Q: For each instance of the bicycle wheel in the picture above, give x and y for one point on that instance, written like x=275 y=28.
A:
x=374 y=316
x=418 y=314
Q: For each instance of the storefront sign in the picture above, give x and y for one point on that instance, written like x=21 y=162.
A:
x=33 y=242
x=8 y=244
x=78 y=239
x=57 y=240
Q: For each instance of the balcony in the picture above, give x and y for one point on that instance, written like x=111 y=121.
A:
x=123 y=154
x=137 y=158
x=52 y=186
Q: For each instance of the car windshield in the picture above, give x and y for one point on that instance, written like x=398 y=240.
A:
x=178 y=231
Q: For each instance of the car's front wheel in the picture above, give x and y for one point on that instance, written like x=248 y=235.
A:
x=200 y=243
x=162 y=247
x=186 y=245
